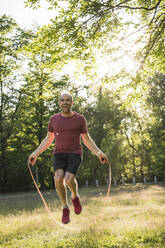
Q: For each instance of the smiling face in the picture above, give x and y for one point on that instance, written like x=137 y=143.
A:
x=66 y=103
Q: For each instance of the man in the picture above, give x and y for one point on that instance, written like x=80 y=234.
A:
x=66 y=128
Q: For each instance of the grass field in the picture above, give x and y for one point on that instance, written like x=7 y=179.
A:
x=133 y=216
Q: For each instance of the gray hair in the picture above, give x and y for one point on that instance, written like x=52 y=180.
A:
x=66 y=93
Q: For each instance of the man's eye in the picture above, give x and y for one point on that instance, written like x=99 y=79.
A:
x=63 y=100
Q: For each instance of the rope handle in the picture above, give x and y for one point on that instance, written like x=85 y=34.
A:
x=110 y=179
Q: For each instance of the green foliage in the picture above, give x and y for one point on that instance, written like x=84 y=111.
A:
x=155 y=99
x=83 y=25
x=10 y=96
x=126 y=122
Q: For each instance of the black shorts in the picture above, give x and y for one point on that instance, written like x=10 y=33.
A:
x=69 y=162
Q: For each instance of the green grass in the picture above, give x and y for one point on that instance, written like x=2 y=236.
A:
x=133 y=216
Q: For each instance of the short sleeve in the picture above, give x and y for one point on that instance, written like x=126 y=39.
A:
x=50 y=127
x=83 y=125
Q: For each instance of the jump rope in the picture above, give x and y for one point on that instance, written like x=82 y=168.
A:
x=48 y=209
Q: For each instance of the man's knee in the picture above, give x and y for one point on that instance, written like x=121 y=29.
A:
x=59 y=178
x=69 y=179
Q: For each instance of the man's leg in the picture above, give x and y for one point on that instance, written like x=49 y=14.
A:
x=73 y=186
x=62 y=193
x=61 y=187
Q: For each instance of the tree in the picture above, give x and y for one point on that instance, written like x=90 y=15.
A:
x=10 y=96
x=82 y=25
x=155 y=102
x=40 y=93
x=103 y=116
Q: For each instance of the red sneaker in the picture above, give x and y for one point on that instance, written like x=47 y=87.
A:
x=65 y=215
x=77 y=205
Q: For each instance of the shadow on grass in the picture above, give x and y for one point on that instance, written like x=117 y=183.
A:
x=26 y=202
x=16 y=203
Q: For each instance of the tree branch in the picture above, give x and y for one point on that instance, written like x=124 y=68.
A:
x=157 y=37
x=129 y=143
x=143 y=8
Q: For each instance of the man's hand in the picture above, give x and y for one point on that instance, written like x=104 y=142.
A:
x=103 y=158
x=32 y=159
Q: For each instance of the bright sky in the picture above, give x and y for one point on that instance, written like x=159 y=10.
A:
x=25 y=16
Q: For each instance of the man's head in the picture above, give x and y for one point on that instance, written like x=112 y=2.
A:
x=66 y=102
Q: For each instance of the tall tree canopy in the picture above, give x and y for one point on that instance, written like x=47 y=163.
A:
x=81 y=25
x=12 y=39
x=125 y=115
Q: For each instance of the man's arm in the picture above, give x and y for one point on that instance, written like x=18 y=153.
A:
x=47 y=141
x=90 y=144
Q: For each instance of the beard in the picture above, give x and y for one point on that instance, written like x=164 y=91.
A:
x=66 y=109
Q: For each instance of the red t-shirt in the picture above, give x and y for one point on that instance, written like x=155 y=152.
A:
x=67 y=132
